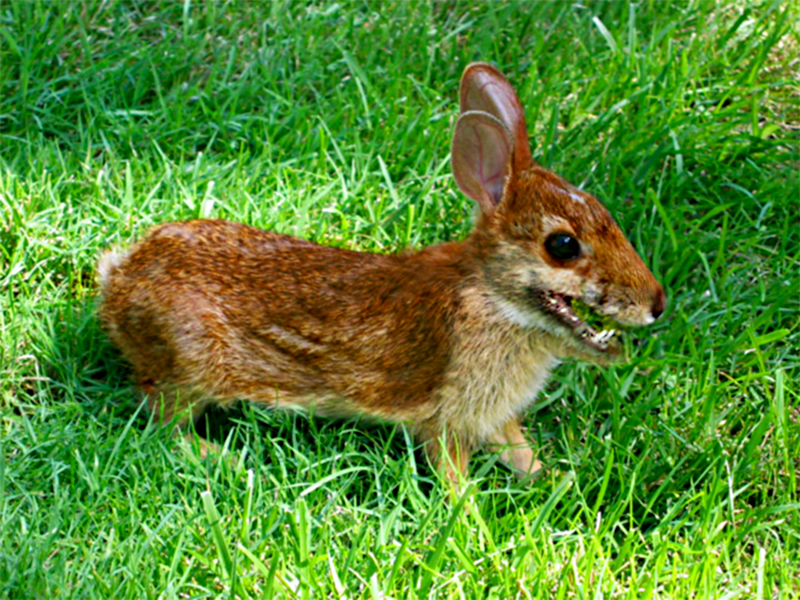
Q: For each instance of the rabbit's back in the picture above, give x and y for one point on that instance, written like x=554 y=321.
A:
x=237 y=312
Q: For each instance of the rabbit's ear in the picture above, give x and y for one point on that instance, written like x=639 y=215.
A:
x=481 y=158
x=485 y=89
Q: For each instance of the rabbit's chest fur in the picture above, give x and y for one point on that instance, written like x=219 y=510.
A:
x=496 y=368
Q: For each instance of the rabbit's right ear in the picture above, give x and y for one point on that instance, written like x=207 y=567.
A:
x=481 y=158
x=485 y=89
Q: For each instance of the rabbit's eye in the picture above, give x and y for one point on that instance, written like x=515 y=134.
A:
x=562 y=246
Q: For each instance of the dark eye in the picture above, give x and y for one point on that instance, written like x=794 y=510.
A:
x=562 y=246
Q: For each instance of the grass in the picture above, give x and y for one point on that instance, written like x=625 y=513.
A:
x=673 y=476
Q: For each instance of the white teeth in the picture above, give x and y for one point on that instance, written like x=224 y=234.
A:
x=562 y=308
x=602 y=338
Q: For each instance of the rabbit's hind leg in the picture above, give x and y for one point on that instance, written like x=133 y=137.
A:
x=182 y=408
x=168 y=404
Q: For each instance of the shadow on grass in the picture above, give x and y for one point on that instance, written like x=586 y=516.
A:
x=76 y=362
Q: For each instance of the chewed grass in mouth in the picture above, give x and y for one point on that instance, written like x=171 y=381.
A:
x=596 y=331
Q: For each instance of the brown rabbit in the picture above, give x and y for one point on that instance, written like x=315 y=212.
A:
x=455 y=340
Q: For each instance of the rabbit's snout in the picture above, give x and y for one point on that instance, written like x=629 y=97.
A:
x=659 y=303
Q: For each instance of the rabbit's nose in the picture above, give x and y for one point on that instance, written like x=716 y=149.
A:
x=659 y=303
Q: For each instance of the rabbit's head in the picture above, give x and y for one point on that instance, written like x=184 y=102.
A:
x=552 y=255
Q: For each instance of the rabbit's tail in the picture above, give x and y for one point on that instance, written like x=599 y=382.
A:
x=109 y=262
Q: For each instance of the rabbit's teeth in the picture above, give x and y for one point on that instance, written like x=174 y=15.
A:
x=562 y=308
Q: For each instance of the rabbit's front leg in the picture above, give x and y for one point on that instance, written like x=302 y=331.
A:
x=515 y=450
x=448 y=453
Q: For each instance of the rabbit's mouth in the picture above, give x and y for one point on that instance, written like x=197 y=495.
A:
x=597 y=335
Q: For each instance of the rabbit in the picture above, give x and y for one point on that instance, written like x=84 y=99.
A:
x=454 y=340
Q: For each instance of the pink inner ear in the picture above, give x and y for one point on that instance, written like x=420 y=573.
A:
x=480 y=158
x=485 y=89
x=488 y=96
x=493 y=177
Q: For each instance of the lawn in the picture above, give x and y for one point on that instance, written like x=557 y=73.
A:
x=672 y=476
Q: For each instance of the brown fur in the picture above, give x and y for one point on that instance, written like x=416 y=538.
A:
x=447 y=339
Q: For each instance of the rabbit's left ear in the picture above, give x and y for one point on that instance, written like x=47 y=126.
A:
x=485 y=89
x=481 y=158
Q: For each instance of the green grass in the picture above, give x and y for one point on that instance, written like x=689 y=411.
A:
x=673 y=476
